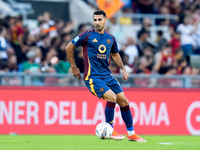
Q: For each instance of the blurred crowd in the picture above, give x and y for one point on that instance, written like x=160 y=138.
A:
x=42 y=50
x=163 y=56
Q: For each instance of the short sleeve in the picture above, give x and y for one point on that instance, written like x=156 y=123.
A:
x=114 y=48
x=79 y=40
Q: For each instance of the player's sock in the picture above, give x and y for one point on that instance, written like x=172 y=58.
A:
x=130 y=131
x=109 y=112
x=127 y=117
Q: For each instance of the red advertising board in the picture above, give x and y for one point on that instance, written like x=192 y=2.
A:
x=56 y=110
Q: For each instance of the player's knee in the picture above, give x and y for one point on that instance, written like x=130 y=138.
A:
x=123 y=103
x=126 y=102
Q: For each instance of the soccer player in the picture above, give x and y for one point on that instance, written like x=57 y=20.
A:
x=97 y=46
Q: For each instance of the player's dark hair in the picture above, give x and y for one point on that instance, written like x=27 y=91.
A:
x=99 y=12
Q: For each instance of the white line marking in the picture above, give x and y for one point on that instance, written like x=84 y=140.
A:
x=165 y=143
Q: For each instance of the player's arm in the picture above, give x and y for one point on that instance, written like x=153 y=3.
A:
x=70 y=55
x=117 y=59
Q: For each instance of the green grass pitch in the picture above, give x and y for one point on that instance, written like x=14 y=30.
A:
x=91 y=142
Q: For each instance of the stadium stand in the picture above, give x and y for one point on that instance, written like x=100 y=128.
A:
x=155 y=38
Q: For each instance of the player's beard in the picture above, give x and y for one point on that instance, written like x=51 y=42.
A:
x=99 y=28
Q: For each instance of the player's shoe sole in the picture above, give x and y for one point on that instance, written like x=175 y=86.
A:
x=115 y=136
x=135 y=138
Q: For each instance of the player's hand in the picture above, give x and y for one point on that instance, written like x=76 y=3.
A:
x=76 y=73
x=125 y=74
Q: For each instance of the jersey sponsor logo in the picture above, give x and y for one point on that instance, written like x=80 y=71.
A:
x=108 y=41
x=95 y=40
x=76 y=38
x=102 y=56
x=102 y=48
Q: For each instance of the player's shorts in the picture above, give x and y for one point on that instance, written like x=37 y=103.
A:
x=99 y=85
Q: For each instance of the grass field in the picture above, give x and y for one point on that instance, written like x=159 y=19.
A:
x=91 y=142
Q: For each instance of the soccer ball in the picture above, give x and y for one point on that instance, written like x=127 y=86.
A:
x=104 y=130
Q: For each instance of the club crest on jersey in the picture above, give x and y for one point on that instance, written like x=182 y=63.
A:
x=108 y=41
x=101 y=89
x=102 y=48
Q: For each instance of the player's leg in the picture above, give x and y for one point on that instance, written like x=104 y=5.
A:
x=123 y=102
x=110 y=106
x=110 y=96
x=99 y=88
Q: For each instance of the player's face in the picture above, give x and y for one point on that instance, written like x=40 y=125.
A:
x=99 y=22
